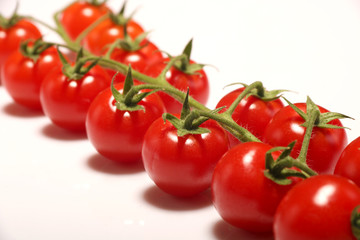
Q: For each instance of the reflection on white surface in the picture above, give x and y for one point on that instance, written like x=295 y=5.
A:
x=87 y=12
x=88 y=79
x=297 y=128
x=323 y=195
x=249 y=157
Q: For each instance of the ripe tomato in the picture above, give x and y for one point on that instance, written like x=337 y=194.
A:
x=325 y=146
x=80 y=15
x=241 y=193
x=107 y=32
x=252 y=112
x=317 y=208
x=182 y=166
x=11 y=37
x=117 y=134
x=197 y=83
x=66 y=101
x=138 y=59
x=22 y=76
x=348 y=164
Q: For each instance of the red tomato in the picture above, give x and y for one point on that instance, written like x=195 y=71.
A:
x=66 y=101
x=138 y=59
x=10 y=38
x=116 y=134
x=252 y=113
x=22 y=76
x=241 y=193
x=348 y=164
x=317 y=208
x=197 y=83
x=182 y=166
x=326 y=144
x=107 y=32
x=80 y=15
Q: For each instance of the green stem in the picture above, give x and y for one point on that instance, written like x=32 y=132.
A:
x=87 y=30
x=230 y=125
x=313 y=117
x=258 y=85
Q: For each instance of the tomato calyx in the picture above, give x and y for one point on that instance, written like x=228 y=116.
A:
x=6 y=23
x=130 y=97
x=127 y=43
x=96 y=2
x=78 y=70
x=189 y=121
x=32 y=49
x=119 y=18
x=355 y=222
x=255 y=89
x=282 y=168
x=184 y=64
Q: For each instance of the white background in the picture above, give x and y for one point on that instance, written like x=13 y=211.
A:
x=54 y=186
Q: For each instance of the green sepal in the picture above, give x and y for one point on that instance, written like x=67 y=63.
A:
x=77 y=71
x=189 y=120
x=279 y=170
x=184 y=64
x=96 y=2
x=322 y=120
x=6 y=23
x=33 y=52
x=262 y=93
x=129 y=99
x=119 y=18
x=355 y=222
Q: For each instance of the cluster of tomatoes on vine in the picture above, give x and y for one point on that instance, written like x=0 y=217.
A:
x=271 y=166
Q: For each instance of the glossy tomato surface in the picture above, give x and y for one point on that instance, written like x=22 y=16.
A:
x=251 y=113
x=116 y=134
x=197 y=83
x=182 y=166
x=325 y=146
x=80 y=15
x=22 y=76
x=99 y=39
x=241 y=193
x=66 y=101
x=138 y=59
x=10 y=38
x=317 y=208
x=348 y=164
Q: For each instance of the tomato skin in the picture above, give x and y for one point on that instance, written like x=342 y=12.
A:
x=80 y=15
x=138 y=59
x=197 y=83
x=317 y=208
x=182 y=166
x=66 y=102
x=348 y=164
x=252 y=113
x=10 y=38
x=116 y=134
x=22 y=76
x=325 y=146
x=241 y=193
x=98 y=40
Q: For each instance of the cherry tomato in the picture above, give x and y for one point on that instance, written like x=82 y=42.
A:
x=80 y=15
x=325 y=146
x=197 y=83
x=22 y=76
x=107 y=32
x=138 y=59
x=117 y=134
x=66 y=101
x=348 y=164
x=241 y=193
x=317 y=208
x=182 y=166
x=252 y=112
x=10 y=38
